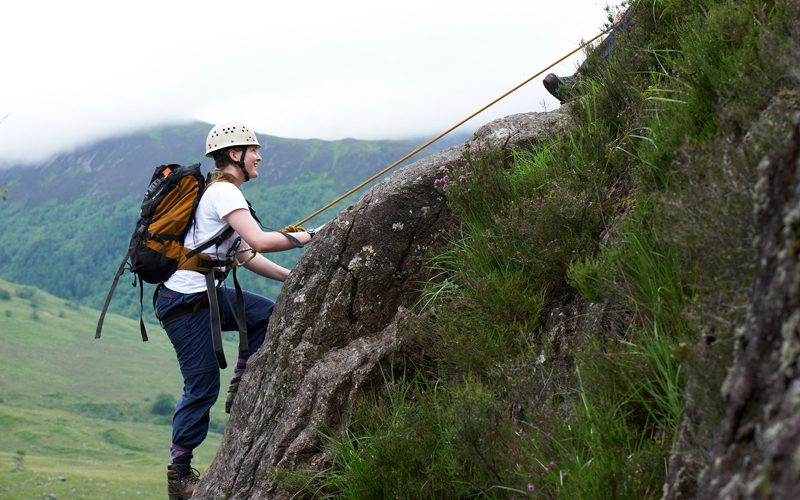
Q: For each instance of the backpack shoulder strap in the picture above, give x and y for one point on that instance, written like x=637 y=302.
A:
x=224 y=235
x=119 y=273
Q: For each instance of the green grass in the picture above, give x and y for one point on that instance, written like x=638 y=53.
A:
x=642 y=209
x=83 y=408
x=390 y=451
x=98 y=459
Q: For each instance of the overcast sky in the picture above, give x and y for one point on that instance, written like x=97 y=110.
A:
x=82 y=70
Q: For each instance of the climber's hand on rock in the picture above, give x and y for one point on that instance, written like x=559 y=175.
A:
x=312 y=232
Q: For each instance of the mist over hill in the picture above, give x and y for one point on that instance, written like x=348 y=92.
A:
x=122 y=164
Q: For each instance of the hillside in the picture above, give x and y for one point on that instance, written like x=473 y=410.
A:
x=607 y=311
x=81 y=408
x=76 y=211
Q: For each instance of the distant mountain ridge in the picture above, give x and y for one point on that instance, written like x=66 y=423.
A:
x=122 y=164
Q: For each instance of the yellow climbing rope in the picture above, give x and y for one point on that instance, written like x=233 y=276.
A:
x=409 y=155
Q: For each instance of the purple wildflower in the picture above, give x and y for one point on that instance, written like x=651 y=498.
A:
x=441 y=183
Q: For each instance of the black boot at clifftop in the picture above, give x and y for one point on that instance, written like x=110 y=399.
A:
x=562 y=89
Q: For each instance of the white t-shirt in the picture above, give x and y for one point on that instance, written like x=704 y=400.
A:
x=218 y=200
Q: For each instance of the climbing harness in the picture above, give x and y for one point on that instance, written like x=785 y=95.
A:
x=473 y=115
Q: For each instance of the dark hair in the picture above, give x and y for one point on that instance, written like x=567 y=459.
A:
x=222 y=157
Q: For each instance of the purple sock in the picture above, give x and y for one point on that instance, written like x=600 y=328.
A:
x=241 y=364
x=179 y=454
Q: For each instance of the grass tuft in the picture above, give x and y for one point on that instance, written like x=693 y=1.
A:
x=556 y=336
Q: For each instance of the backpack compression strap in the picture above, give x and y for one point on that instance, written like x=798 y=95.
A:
x=214 y=313
x=244 y=346
x=119 y=273
x=124 y=264
x=216 y=325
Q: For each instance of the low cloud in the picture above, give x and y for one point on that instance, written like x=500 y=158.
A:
x=82 y=71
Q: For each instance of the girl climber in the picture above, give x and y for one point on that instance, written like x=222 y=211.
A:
x=182 y=303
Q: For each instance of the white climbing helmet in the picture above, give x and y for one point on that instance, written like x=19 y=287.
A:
x=227 y=135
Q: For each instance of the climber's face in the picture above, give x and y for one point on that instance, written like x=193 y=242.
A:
x=252 y=158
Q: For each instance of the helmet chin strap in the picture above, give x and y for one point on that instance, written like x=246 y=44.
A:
x=240 y=163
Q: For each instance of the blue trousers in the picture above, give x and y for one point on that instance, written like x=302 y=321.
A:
x=191 y=337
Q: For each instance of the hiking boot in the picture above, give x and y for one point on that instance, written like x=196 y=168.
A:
x=232 y=390
x=181 y=481
x=562 y=89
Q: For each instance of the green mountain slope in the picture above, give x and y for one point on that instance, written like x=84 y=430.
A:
x=69 y=219
x=94 y=411
x=54 y=452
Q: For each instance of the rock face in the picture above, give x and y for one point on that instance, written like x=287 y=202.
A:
x=337 y=319
x=757 y=452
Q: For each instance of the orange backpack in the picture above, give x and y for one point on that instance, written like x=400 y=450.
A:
x=156 y=248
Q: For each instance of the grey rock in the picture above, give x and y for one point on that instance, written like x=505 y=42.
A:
x=522 y=130
x=337 y=319
x=756 y=454
x=692 y=464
